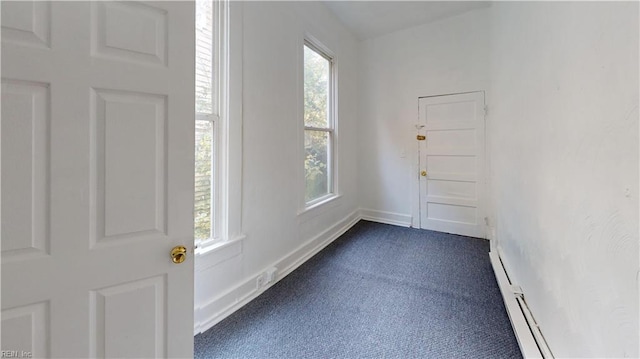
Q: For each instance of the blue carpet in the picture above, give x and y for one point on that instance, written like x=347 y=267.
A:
x=378 y=291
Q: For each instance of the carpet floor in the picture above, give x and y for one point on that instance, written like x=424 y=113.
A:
x=378 y=291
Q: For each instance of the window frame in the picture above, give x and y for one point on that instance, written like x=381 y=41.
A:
x=219 y=119
x=332 y=124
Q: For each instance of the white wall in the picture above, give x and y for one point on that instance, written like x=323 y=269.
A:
x=276 y=235
x=273 y=41
x=447 y=56
x=564 y=143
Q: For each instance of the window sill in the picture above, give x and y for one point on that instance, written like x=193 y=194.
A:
x=328 y=201
x=217 y=251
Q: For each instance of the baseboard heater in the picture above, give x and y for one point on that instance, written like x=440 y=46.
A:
x=530 y=339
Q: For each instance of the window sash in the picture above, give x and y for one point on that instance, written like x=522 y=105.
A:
x=208 y=92
x=330 y=85
x=330 y=165
x=210 y=117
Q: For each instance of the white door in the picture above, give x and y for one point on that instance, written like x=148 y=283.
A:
x=97 y=161
x=452 y=164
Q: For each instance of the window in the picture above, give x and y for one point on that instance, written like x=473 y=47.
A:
x=318 y=124
x=218 y=127
x=205 y=123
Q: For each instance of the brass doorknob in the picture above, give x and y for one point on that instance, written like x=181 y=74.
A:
x=178 y=254
x=423 y=173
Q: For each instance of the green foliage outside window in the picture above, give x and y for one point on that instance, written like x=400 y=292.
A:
x=317 y=73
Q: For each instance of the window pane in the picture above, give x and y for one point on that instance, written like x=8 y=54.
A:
x=204 y=56
x=316 y=89
x=316 y=165
x=204 y=158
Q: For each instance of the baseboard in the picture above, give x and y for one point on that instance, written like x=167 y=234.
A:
x=397 y=219
x=526 y=340
x=246 y=291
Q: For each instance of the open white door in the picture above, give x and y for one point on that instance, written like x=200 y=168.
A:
x=97 y=159
x=452 y=164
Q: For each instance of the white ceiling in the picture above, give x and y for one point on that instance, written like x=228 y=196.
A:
x=368 y=19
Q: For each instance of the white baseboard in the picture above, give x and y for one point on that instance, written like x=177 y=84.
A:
x=246 y=291
x=397 y=219
x=526 y=340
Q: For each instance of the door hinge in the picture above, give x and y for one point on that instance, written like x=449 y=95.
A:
x=486 y=110
x=421 y=137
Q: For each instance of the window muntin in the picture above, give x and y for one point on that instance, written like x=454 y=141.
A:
x=318 y=124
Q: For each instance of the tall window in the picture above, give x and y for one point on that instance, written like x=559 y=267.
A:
x=318 y=124
x=205 y=122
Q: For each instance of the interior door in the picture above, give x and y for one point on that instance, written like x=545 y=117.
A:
x=452 y=164
x=97 y=158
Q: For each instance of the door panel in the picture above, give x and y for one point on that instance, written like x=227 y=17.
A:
x=131 y=189
x=451 y=164
x=130 y=31
x=29 y=328
x=451 y=192
x=27 y=23
x=451 y=212
x=25 y=228
x=97 y=178
x=452 y=140
x=451 y=189
x=132 y=318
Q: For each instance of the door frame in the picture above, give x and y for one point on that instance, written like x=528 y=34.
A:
x=416 y=165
